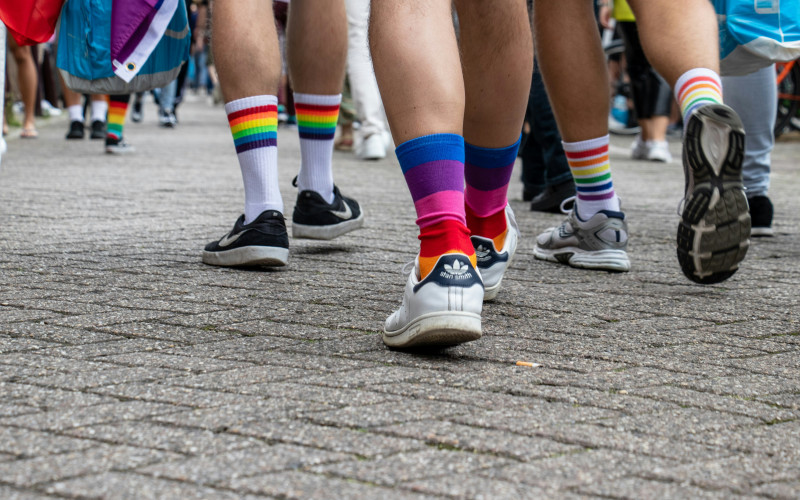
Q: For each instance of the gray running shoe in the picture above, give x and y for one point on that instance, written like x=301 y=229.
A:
x=598 y=243
x=714 y=232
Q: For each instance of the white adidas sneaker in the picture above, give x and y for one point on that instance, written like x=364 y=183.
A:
x=493 y=264
x=444 y=309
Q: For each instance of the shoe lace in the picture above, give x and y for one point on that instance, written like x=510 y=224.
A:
x=408 y=267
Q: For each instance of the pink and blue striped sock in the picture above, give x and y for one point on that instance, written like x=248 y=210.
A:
x=433 y=166
x=487 y=172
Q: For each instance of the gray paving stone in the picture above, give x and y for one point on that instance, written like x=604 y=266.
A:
x=68 y=418
x=47 y=399
x=678 y=422
x=162 y=331
x=783 y=490
x=480 y=488
x=158 y=392
x=300 y=485
x=54 y=333
x=31 y=471
x=132 y=486
x=405 y=467
x=740 y=473
x=388 y=413
x=571 y=470
x=251 y=461
x=194 y=364
x=163 y=437
x=27 y=443
x=10 y=493
x=119 y=345
x=480 y=440
x=644 y=489
x=12 y=344
x=89 y=380
x=745 y=386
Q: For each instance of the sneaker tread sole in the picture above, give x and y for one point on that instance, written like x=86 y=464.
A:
x=609 y=260
x=713 y=235
x=440 y=329
x=248 y=256
x=327 y=232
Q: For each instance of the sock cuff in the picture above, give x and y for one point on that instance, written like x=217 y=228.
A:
x=434 y=147
x=491 y=157
x=318 y=99
x=693 y=76
x=250 y=102
x=577 y=147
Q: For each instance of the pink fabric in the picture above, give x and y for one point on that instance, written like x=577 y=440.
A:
x=439 y=206
x=486 y=203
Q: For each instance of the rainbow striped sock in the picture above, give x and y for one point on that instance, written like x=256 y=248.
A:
x=487 y=172
x=117 y=107
x=316 y=120
x=588 y=162
x=254 y=125
x=697 y=87
x=433 y=166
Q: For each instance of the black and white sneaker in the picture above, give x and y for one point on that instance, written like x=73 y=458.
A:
x=118 y=146
x=98 y=130
x=75 y=130
x=714 y=232
x=263 y=242
x=315 y=219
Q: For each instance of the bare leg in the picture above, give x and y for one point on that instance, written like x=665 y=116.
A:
x=316 y=48
x=422 y=89
x=673 y=47
x=573 y=67
x=27 y=80
x=245 y=48
x=497 y=81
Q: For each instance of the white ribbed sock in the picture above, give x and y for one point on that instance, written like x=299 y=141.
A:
x=316 y=142
x=75 y=113
x=259 y=164
x=99 y=110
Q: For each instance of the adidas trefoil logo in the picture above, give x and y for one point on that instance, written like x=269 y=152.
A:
x=482 y=252
x=457 y=268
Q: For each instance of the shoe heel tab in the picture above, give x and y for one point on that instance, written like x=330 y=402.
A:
x=613 y=214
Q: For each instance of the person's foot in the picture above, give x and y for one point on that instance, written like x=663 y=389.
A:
x=552 y=197
x=714 y=232
x=137 y=113
x=598 y=243
x=76 y=130
x=167 y=119
x=315 y=219
x=263 y=242
x=761 y=211
x=638 y=148
x=492 y=264
x=98 y=129
x=116 y=146
x=372 y=148
x=29 y=133
x=443 y=309
x=658 y=151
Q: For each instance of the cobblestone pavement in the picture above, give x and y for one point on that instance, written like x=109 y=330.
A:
x=129 y=369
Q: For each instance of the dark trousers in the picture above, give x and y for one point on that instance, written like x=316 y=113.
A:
x=543 y=160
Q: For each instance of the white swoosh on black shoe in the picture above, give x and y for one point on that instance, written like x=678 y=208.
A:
x=228 y=239
x=345 y=214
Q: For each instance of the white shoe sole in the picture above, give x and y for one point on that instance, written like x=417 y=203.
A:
x=326 y=232
x=248 y=256
x=436 y=329
x=610 y=260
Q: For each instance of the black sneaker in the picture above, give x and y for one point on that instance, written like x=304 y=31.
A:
x=760 y=216
x=98 y=129
x=263 y=242
x=315 y=219
x=118 y=146
x=75 y=130
x=714 y=232
x=551 y=198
